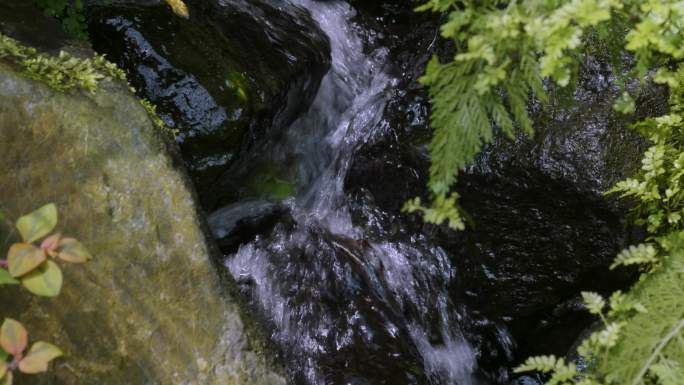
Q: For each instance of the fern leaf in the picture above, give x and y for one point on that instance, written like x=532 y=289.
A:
x=640 y=254
x=594 y=302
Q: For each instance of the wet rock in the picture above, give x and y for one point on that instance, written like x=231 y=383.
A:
x=235 y=225
x=329 y=314
x=233 y=73
x=22 y=19
x=149 y=308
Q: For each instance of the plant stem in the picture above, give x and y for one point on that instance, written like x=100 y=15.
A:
x=673 y=333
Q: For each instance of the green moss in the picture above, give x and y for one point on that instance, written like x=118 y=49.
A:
x=158 y=122
x=62 y=72
x=270 y=182
x=65 y=72
x=236 y=81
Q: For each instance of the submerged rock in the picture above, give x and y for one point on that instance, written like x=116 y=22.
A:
x=149 y=308
x=232 y=73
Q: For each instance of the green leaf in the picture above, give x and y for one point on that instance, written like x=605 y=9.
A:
x=72 y=251
x=24 y=258
x=45 y=281
x=543 y=364
x=625 y=104
x=3 y=369
x=6 y=278
x=38 y=224
x=668 y=372
x=633 y=255
x=13 y=337
x=7 y=380
x=594 y=302
x=3 y=355
x=38 y=358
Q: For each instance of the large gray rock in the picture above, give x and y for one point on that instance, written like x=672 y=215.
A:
x=149 y=309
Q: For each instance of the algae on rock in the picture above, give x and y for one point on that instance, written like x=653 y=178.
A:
x=149 y=308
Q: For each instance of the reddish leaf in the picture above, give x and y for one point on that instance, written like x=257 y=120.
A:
x=24 y=258
x=38 y=357
x=13 y=337
x=72 y=251
x=50 y=244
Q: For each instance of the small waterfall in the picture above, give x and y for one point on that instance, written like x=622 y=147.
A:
x=345 y=307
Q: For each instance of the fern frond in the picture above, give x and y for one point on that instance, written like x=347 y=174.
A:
x=594 y=302
x=668 y=372
x=633 y=255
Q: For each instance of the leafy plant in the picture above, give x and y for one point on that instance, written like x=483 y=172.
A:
x=62 y=72
x=34 y=266
x=70 y=12
x=505 y=48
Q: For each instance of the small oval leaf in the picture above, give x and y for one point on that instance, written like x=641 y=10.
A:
x=13 y=337
x=72 y=251
x=38 y=357
x=50 y=243
x=179 y=8
x=24 y=258
x=38 y=224
x=3 y=369
x=6 y=278
x=45 y=281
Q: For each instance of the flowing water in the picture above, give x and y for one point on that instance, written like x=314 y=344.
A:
x=345 y=305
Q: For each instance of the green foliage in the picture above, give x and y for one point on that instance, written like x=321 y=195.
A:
x=442 y=209
x=63 y=72
x=14 y=341
x=70 y=12
x=66 y=72
x=34 y=266
x=505 y=49
x=158 y=122
x=636 y=255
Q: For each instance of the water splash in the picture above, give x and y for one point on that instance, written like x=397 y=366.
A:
x=344 y=308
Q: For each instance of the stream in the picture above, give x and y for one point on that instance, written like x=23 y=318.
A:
x=345 y=305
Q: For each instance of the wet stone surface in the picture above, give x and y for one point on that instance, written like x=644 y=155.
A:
x=232 y=74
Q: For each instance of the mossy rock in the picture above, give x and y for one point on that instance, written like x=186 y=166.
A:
x=149 y=309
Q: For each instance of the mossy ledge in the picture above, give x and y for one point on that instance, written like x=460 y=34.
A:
x=66 y=71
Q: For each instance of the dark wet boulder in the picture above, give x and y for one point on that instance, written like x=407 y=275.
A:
x=223 y=78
